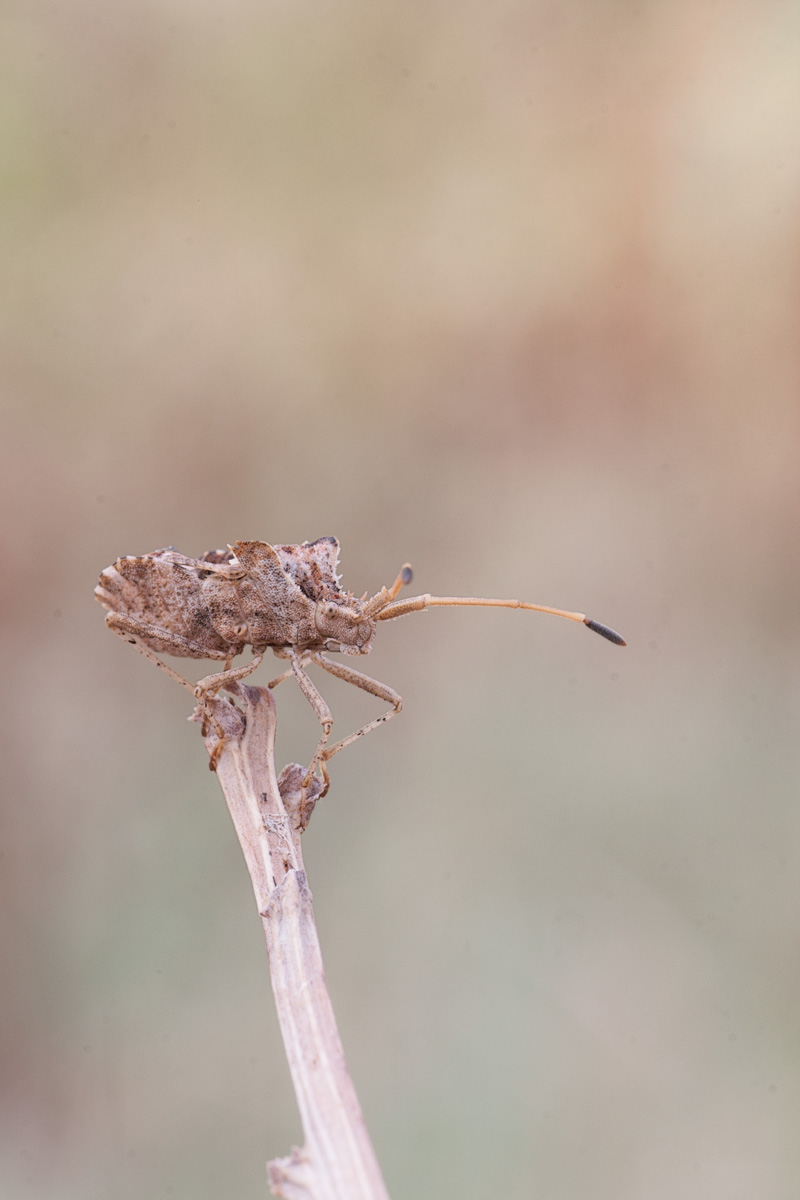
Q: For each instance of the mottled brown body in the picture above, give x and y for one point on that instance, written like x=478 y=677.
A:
x=286 y=598
x=252 y=594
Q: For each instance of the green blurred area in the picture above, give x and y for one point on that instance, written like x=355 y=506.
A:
x=510 y=291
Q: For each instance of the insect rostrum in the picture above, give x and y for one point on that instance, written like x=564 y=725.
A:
x=284 y=598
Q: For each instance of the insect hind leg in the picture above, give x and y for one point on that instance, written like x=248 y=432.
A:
x=133 y=631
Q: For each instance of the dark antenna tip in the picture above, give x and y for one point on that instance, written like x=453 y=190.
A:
x=407 y=574
x=605 y=632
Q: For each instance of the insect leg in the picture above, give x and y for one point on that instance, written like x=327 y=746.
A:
x=213 y=683
x=288 y=673
x=280 y=652
x=366 y=684
x=209 y=685
x=273 y=683
x=132 y=631
x=323 y=714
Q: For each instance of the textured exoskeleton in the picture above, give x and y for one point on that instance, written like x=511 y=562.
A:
x=284 y=598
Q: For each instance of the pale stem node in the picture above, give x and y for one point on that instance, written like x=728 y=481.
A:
x=337 y=1161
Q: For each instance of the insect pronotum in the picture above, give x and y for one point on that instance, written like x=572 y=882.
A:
x=283 y=598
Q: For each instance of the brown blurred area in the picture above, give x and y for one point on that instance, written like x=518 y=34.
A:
x=510 y=291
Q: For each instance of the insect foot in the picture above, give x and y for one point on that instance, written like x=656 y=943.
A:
x=220 y=721
x=298 y=797
x=207 y=720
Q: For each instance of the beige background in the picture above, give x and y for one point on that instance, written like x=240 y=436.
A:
x=508 y=290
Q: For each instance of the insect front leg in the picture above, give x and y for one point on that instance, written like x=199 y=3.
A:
x=349 y=675
x=323 y=714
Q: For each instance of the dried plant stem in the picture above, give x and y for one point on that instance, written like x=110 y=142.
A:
x=337 y=1161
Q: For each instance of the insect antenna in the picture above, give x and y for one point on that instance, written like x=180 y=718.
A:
x=389 y=610
x=387 y=595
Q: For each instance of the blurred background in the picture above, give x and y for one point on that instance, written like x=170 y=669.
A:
x=511 y=292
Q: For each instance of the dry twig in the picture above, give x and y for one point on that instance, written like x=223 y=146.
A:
x=337 y=1161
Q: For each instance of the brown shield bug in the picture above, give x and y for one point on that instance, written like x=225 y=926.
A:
x=284 y=598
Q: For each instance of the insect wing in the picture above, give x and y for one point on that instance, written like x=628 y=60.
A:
x=273 y=604
x=161 y=589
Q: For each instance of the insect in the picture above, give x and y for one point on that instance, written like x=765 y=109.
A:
x=284 y=598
